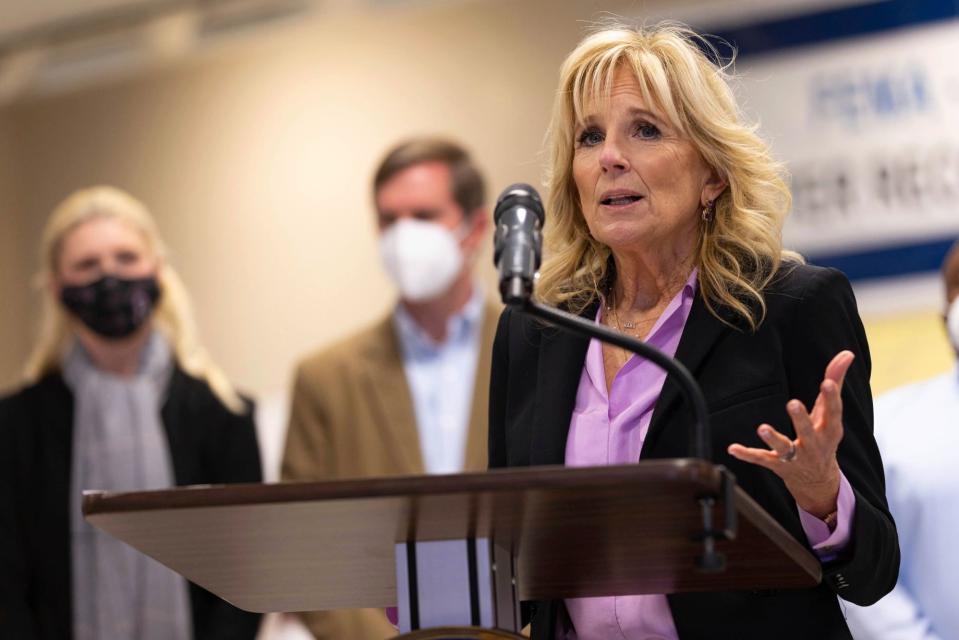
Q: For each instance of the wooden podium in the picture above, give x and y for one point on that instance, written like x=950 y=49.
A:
x=461 y=549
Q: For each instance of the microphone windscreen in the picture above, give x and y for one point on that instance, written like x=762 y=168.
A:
x=519 y=194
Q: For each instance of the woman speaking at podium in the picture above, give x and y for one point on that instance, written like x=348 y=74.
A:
x=120 y=397
x=664 y=220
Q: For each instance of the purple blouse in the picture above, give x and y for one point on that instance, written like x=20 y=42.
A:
x=609 y=429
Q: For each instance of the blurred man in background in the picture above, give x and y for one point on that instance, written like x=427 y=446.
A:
x=917 y=428
x=409 y=394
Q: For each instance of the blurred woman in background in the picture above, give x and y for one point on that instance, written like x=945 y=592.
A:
x=119 y=396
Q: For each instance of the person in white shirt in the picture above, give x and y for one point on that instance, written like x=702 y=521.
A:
x=917 y=428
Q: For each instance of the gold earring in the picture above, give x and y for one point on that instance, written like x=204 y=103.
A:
x=709 y=211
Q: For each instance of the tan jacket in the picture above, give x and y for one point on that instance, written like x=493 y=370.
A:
x=352 y=416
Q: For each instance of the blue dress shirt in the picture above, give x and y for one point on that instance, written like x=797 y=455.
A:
x=441 y=377
x=917 y=428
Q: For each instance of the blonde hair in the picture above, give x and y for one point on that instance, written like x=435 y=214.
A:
x=740 y=250
x=173 y=315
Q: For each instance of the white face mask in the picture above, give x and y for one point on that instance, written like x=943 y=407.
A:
x=952 y=323
x=422 y=258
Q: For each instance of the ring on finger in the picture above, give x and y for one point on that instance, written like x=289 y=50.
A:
x=790 y=454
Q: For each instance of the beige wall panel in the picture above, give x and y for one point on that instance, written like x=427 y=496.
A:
x=907 y=348
x=14 y=315
x=256 y=159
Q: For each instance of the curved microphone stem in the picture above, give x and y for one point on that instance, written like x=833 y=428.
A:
x=711 y=560
x=700 y=435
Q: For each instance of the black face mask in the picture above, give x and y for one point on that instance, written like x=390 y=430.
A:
x=112 y=307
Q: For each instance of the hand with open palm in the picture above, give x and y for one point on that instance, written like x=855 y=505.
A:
x=807 y=465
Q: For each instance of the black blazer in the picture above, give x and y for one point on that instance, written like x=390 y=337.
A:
x=747 y=378
x=208 y=445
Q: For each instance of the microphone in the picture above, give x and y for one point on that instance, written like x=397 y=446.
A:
x=518 y=241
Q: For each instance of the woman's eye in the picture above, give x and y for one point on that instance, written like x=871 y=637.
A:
x=128 y=257
x=87 y=264
x=590 y=138
x=647 y=130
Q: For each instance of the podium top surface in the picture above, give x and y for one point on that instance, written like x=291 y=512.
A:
x=575 y=532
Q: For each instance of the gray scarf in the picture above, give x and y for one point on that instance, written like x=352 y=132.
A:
x=119 y=444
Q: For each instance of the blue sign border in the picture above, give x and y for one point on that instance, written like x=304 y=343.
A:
x=835 y=24
x=888 y=262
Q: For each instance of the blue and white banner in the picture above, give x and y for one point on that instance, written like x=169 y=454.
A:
x=868 y=126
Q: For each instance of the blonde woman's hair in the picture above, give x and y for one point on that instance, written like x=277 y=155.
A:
x=740 y=250
x=173 y=315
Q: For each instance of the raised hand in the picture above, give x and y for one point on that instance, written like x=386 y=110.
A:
x=808 y=464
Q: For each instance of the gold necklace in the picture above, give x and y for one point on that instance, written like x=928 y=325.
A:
x=611 y=308
x=621 y=355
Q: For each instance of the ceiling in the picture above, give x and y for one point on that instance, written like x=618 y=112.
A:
x=20 y=16
x=52 y=45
